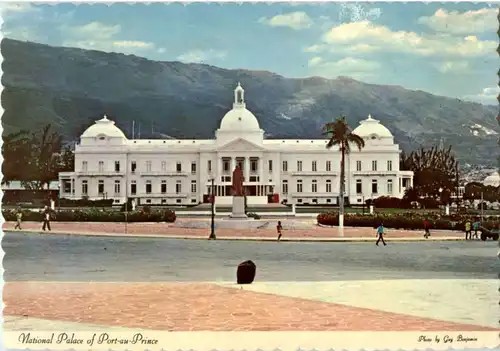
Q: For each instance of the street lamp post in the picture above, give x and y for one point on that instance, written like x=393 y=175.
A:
x=441 y=196
x=482 y=207
x=212 y=198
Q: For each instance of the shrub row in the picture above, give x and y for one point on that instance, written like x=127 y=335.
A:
x=409 y=221
x=96 y=215
x=394 y=202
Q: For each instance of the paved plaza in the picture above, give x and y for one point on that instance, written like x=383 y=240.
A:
x=189 y=285
x=192 y=228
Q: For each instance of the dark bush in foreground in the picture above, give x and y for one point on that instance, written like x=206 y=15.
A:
x=96 y=215
x=410 y=221
x=389 y=202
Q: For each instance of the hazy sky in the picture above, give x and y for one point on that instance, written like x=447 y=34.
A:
x=444 y=48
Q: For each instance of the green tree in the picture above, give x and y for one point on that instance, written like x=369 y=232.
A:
x=66 y=160
x=35 y=159
x=433 y=169
x=339 y=133
x=16 y=151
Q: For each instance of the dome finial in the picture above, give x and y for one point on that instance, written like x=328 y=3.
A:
x=239 y=96
x=370 y=116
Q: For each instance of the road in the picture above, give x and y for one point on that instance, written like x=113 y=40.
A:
x=78 y=258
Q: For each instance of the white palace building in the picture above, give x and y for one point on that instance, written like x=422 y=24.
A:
x=180 y=172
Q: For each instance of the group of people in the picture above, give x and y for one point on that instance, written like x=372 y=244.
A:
x=469 y=227
x=45 y=219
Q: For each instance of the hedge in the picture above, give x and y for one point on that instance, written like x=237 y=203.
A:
x=394 y=202
x=96 y=215
x=409 y=220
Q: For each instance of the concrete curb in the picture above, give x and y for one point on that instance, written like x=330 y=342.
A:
x=241 y=238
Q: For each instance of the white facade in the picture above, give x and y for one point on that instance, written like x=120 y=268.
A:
x=179 y=172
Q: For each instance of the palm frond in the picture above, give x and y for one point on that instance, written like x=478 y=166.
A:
x=356 y=140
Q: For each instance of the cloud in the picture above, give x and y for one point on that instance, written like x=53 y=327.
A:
x=314 y=48
x=202 y=56
x=353 y=49
x=161 y=50
x=478 y=21
x=294 y=20
x=94 y=30
x=348 y=66
x=22 y=33
x=9 y=8
x=380 y=38
x=315 y=61
x=487 y=96
x=355 y=12
x=133 y=44
x=452 y=66
x=100 y=36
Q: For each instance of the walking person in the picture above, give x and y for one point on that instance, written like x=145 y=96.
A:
x=380 y=234
x=475 y=227
x=19 y=217
x=468 y=231
x=46 y=218
x=427 y=226
x=279 y=229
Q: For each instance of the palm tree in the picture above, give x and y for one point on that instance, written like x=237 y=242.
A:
x=340 y=134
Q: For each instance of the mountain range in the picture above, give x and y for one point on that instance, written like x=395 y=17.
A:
x=71 y=88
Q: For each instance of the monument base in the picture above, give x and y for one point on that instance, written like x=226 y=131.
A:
x=238 y=207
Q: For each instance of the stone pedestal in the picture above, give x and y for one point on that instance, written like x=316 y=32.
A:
x=52 y=205
x=238 y=207
x=371 y=209
x=134 y=204
x=447 y=210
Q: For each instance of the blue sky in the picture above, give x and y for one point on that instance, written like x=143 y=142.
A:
x=446 y=49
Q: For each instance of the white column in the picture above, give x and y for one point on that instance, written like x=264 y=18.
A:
x=247 y=169
x=263 y=174
x=218 y=167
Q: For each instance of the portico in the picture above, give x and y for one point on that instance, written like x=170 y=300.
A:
x=254 y=184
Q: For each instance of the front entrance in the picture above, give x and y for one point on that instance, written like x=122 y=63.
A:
x=256 y=194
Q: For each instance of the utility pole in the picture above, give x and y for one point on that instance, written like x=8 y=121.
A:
x=212 y=199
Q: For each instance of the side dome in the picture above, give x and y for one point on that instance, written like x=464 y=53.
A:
x=371 y=127
x=103 y=128
x=239 y=118
x=492 y=180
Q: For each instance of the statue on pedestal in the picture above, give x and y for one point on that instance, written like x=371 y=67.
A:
x=239 y=197
x=238 y=182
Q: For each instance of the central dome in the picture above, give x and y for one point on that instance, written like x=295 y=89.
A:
x=239 y=118
x=371 y=127
x=492 y=180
